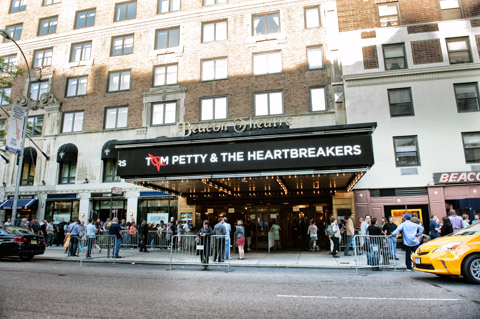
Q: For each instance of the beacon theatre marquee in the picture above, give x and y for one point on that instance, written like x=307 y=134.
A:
x=234 y=155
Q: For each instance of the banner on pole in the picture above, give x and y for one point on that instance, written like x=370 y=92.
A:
x=15 y=129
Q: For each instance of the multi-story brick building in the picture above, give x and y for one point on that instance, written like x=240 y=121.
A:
x=413 y=67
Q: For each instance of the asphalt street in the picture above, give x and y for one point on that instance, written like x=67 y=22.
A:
x=55 y=289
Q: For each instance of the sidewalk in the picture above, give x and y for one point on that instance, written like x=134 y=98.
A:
x=281 y=259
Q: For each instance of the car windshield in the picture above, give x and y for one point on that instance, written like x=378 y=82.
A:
x=17 y=230
x=469 y=230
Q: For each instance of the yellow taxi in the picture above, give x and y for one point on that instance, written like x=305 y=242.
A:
x=457 y=254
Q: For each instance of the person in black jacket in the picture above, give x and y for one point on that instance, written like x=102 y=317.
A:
x=144 y=236
x=203 y=241
x=447 y=227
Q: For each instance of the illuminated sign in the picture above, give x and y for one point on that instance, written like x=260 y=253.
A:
x=456 y=178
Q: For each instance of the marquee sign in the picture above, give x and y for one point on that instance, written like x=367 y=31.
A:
x=285 y=153
x=456 y=178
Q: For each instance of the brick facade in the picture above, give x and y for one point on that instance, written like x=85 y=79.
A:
x=370 y=58
x=421 y=28
x=428 y=51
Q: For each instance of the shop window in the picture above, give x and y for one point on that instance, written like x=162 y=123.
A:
x=5 y=96
x=125 y=11
x=266 y=24
x=400 y=102
x=85 y=18
x=318 y=101
x=81 y=52
x=43 y=58
x=211 y=2
x=164 y=113
x=77 y=86
x=312 y=17
x=168 y=5
x=215 y=69
x=165 y=75
x=466 y=95
x=406 y=151
x=35 y=126
x=388 y=14
x=450 y=9
x=394 y=56
x=267 y=63
x=67 y=209
x=110 y=166
x=48 y=26
x=268 y=103
x=122 y=45
x=116 y=117
x=214 y=108
x=72 y=122
x=18 y=5
x=119 y=81
x=169 y=38
x=214 y=31
x=471 y=146
x=315 y=58
x=14 y=31
x=458 y=50
x=37 y=89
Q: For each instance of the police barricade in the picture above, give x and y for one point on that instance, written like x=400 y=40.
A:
x=373 y=252
x=130 y=239
x=100 y=246
x=198 y=250
x=157 y=239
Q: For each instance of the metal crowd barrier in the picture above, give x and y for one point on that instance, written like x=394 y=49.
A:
x=102 y=246
x=199 y=251
x=157 y=239
x=130 y=239
x=373 y=251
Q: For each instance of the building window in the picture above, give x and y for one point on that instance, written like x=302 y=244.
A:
x=267 y=63
x=48 y=26
x=167 y=38
x=168 y=5
x=406 y=151
x=471 y=145
x=312 y=17
x=211 y=2
x=318 y=101
x=213 y=108
x=266 y=24
x=214 y=31
x=35 y=126
x=77 y=86
x=10 y=63
x=315 y=58
x=18 y=5
x=450 y=9
x=400 y=101
x=2 y=128
x=214 y=69
x=85 y=18
x=466 y=95
x=459 y=50
x=110 y=166
x=125 y=11
x=165 y=75
x=81 y=52
x=164 y=113
x=268 y=103
x=122 y=45
x=68 y=172
x=72 y=122
x=394 y=56
x=5 y=96
x=49 y=2
x=28 y=174
x=43 y=58
x=37 y=89
x=116 y=117
x=119 y=81
x=388 y=14
x=14 y=31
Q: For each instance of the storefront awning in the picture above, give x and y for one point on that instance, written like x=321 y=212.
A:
x=67 y=153
x=29 y=156
x=109 y=151
x=21 y=204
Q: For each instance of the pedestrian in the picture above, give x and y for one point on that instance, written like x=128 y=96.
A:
x=91 y=235
x=388 y=229
x=116 y=231
x=61 y=232
x=152 y=230
x=50 y=234
x=350 y=229
x=476 y=219
x=363 y=229
x=456 y=221
x=374 y=244
x=161 y=234
x=240 y=239
x=169 y=234
x=219 y=232
x=75 y=229
x=411 y=234
x=35 y=226
x=228 y=230
x=143 y=236
x=8 y=222
x=248 y=235
x=24 y=223
x=203 y=243
x=434 y=227
x=303 y=235
x=132 y=235
x=275 y=229
x=466 y=220
x=447 y=227
x=312 y=231
x=335 y=236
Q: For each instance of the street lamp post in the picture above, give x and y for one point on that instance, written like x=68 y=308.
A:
x=4 y=34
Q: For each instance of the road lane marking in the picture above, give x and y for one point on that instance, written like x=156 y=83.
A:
x=369 y=298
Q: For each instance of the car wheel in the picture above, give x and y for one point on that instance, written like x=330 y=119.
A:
x=26 y=257
x=471 y=269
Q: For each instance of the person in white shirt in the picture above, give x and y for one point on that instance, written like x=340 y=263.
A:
x=91 y=234
x=312 y=231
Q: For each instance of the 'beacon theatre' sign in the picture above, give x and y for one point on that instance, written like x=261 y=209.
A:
x=456 y=178
x=292 y=153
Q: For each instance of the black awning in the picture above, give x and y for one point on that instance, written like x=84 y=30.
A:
x=21 y=203
x=109 y=151
x=29 y=156
x=67 y=153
